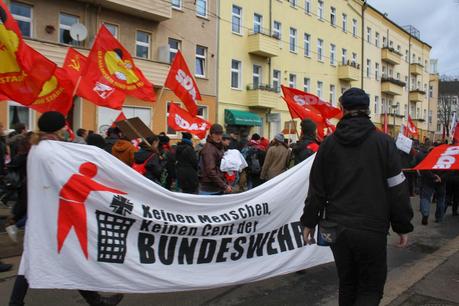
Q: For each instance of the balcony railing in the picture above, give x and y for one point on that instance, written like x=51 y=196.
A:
x=393 y=81
x=417 y=90
x=262 y=96
x=391 y=56
x=391 y=49
x=265 y=87
x=262 y=43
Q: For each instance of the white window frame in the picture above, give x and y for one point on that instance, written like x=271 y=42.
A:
x=30 y=115
x=320 y=85
x=354 y=58
x=239 y=17
x=143 y=44
x=110 y=25
x=276 y=79
x=24 y=18
x=368 y=35
x=377 y=39
x=376 y=104
x=277 y=29
x=292 y=3
x=307 y=7
x=320 y=47
x=67 y=27
x=180 y=5
x=332 y=94
x=173 y=50
x=293 y=36
x=292 y=80
x=332 y=54
x=306 y=84
x=320 y=9
x=344 y=24
x=206 y=7
x=377 y=71
x=343 y=56
x=354 y=27
x=257 y=74
x=239 y=74
x=368 y=68
x=333 y=16
x=202 y=58
x=307 y=44
x=258 y=24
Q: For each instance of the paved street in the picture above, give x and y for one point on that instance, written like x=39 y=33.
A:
x=426 y=273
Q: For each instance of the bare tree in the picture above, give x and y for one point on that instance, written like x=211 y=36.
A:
x=445 y=111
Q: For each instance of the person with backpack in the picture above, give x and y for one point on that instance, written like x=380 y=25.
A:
x=254 y=154
x=147 y=161
x=276 y=160
x=187 y=165
x=307 y=144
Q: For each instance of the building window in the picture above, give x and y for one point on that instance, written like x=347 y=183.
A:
x=276 y=79
x=383 y=106
x=65 y=23
x=377 y=71
x=319 y=88
x=430 y=91
x=354 y=27
x=292 y=40
x=170 y=131
x=430 y=116
x=333 y=16
x=174 y=46
x=306 y=84
x=142 y=44
x=22 y=13
x=377 y=39
x=256 y=76
x=391 y=44
x=307 y=6
x=419 y=61
x=343 y=56
x=292 y=80
x=425 y=114
x=257 y=23
x=236 y=67
x=201 y=8
x=332 y=54
x=18 y=114
x=354 y=59
x=292 y=3
x=202 y=112
x=320 y=44
x=376 y=104
x=177 y=4
x=277 y=30
x=236 y=20
x=112 y=28
x=344 y=26
x=368 y=68
x=320 y=9
x=399 y=49
x=332 y=94
x=406 y=56
x=307 y=44
x=384 y=42
x=368 y=34
x=405 y=110
x=398 y=75
x=201 y=57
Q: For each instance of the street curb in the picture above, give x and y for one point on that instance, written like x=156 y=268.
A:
x=402 y=278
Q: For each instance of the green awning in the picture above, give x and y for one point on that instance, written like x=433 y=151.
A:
x=238 y=117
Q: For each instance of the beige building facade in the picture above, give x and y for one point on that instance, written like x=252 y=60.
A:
x=152 y=31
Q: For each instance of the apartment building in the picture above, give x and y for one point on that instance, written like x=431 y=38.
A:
x=152 y=31
x=395 y=71
x=310 y=45
x=434 y=128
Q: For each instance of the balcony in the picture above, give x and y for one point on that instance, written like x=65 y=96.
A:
x=392 y=86
x=417 y=95
x=349 y=72
x=262 y=44
x=262 y=96
x=416 y=68
x=391 y=56
x=148 y=9
x=155 y=72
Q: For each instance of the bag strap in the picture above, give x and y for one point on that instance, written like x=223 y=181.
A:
x=148 y=159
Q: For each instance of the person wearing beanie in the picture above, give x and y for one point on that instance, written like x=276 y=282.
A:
x=307 y=144
x=357 y=182
x=187 y=165
x=277 y=158
x=211 y=179
x=51 y=127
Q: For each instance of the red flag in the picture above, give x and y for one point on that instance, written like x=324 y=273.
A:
x=23 y=71
x=411 y=129
x=74 y=64
x=111 y=74
x=302 y=98
x=306 y=112
x=386 y=130
x=181 y=120
x=182 y=83
x=56 y=94
x=456 y=135
x=443 y=157
x=121 y=117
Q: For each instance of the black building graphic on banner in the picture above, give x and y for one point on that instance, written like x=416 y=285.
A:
x=113 y=230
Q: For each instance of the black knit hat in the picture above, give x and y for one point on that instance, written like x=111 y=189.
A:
x=186 y=135
x=51 y=122
x=308 y=126
x=355 y=98
x=216 y=129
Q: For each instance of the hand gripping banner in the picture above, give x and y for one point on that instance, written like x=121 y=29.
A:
x=96 y=224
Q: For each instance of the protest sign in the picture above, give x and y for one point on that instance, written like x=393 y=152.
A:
x=128 y=234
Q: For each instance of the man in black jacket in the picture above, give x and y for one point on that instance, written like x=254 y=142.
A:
x=307 y=144
x=357 y=175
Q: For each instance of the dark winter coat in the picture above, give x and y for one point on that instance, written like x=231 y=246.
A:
x=304 y=148
x=210 y=176
x=154 y=167
x=357 y=174
x=187 y=167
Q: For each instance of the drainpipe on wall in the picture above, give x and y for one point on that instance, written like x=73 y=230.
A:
x=269 y=62
x=364 y=7
x=218 y=63
x=409 y=73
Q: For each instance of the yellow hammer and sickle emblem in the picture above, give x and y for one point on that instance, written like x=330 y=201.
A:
x=75 y=63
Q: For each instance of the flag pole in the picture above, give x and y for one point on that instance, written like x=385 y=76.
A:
x=76 y=86
x=161 y=92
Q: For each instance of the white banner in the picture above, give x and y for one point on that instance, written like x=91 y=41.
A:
x=403 y=143
x=96 y=224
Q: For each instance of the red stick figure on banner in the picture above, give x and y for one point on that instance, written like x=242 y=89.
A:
x=72 y=212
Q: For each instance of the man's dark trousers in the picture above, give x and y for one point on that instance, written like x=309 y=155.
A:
x=361 y=261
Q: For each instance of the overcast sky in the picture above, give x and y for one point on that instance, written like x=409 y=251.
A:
x=438 y=23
